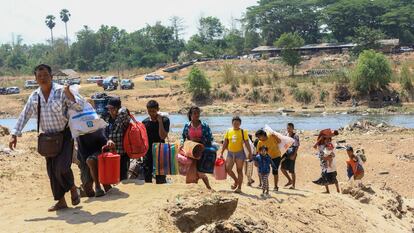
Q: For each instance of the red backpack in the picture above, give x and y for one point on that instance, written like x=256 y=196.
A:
x=136 y=139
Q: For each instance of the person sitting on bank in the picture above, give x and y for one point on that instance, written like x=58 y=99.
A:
x=53 y=101
x=118 y=122
x=157 y=131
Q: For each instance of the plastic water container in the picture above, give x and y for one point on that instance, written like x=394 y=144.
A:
x=109 y=169
x=220 y=169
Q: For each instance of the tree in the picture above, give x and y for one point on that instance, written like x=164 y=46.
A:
x=177 y=23
x=198 y=84
x=344 y=16
x=210 y=28
x=406 y=78
x=289 y=42
x=64 y=16
x=50 y=23
x=373 y=72
x=367 y=38
x=275 y=17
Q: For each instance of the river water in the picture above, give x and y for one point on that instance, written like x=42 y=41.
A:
x=221 y=123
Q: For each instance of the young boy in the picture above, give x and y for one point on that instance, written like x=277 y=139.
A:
x=271 y=142
x=157 y=131
x=264 y=162
x=288 y=163
x=354 y=165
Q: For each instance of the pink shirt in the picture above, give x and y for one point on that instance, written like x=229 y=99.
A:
x=195 y=134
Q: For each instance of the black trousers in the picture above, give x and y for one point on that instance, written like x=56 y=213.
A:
x=148 y=171
x=125 y=161
x=59 y=168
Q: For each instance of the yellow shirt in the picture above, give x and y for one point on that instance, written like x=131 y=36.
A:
x=236 y=139
x=272 y=146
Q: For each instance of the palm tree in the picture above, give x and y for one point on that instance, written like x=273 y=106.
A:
x=50 y=22
x=64 y=16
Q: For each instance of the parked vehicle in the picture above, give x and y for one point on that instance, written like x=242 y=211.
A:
x=127 y=84
x=59 y=81
x=12 y=90
x=74 y=81
x=406 y=49
x=31 y=84
x=110 y=83
x=94 y=79
x=3 y=90
x=153 y=77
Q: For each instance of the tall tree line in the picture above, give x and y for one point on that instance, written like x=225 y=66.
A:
x=316 y=21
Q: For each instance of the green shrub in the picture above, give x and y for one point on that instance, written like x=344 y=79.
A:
x=303 y=96
x=373 y=72
x=254 y=96
x=256 y=81
x=322 y=95
x=406 y=78
x=198 y=84
x=233 y=88
x=221 y=95
x=278 y=94
x=291 y=83
x=229 y=76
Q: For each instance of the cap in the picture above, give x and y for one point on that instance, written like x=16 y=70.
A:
x=115 y=102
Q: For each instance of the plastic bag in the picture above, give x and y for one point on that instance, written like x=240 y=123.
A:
x=84 y=121
x=285 y=141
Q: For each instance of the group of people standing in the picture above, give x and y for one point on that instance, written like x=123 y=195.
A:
x=50 y=102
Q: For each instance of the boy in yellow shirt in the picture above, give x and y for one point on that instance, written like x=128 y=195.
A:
x=233 y=143
x=271 y=142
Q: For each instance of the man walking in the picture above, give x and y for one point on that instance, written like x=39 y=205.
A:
x=53 y=101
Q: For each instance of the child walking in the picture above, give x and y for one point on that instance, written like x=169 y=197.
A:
x=264 y=162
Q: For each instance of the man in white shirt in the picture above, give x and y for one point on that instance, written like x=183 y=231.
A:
x=54 y=102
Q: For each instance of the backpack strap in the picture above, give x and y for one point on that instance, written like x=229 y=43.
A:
x=38 y=111
x=132 y=116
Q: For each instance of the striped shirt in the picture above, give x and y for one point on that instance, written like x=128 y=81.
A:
x=53 y=113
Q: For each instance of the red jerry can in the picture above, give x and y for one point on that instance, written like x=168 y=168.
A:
x=109 y=167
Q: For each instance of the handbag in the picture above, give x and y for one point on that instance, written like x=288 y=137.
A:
x=165 y=158
x=49 y=145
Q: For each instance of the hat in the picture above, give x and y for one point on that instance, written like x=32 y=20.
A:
x=115 y=102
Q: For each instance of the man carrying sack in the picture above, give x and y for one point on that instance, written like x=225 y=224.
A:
x=50 y=103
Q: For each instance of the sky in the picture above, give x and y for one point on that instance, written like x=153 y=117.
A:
x=27 y=17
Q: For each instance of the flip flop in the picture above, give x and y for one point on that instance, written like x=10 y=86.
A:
x=56 y=208
x=234 y=186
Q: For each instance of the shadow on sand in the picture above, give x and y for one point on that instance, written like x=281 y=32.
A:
x=111 y=195
x=79 y=216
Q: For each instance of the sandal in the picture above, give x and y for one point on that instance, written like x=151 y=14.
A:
x=57 y=207
x=234 y=186
x=76 y=200
x=99 y=193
